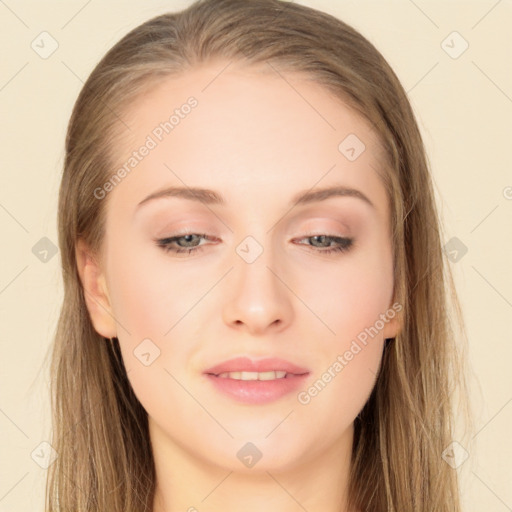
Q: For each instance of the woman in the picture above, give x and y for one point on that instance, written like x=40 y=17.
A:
x=255 y=310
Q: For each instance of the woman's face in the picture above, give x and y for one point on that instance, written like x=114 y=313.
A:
x=262 y=274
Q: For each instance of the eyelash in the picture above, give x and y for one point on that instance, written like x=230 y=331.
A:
x=345 y=244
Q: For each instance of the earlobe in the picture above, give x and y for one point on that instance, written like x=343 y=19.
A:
x=95 y=291
x=393 y=327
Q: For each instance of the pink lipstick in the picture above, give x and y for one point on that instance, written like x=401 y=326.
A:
x=256 y=381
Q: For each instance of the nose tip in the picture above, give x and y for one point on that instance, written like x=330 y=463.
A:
x=258 y=300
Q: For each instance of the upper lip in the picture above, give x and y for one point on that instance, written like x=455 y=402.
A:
x=245 y=364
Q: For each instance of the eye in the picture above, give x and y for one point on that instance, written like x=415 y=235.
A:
x=341 y=244
x=184 y=243
x=189 y=243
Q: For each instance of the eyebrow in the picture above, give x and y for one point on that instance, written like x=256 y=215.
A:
x=211 y=197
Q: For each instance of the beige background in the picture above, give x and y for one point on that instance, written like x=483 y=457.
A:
x=463 y=105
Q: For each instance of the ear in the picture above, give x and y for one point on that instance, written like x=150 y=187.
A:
x=95 y=291
x=394 y=324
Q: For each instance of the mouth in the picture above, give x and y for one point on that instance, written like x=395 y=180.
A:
x=256 y=381
x=268 y=368
x=246 y=375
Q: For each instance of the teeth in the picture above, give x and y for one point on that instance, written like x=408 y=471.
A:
x=253 y=375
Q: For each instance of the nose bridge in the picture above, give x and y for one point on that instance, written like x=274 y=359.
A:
x=258 y=298
x=255 y=258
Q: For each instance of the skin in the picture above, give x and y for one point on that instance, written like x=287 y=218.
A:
x=258 y=142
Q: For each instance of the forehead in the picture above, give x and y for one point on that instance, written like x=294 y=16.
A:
x=256 y=132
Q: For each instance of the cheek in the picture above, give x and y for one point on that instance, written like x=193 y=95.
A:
x=338 y=394
x=153 y=303
x=350 y=299
x=146 y=298
x=149 y=303
x=350 y=296
x=349 y=361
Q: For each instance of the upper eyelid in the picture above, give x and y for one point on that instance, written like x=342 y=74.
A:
x=209 y=238
x=333 y=231
x=311 y=212
x=307 y=233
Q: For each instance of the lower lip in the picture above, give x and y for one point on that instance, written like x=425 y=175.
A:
x=257 y=391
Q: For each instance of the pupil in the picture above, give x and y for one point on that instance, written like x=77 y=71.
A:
x=187 y=237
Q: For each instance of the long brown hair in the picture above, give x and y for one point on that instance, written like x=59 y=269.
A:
x=100 y=429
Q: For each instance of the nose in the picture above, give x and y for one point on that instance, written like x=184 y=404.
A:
x=258 y=298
